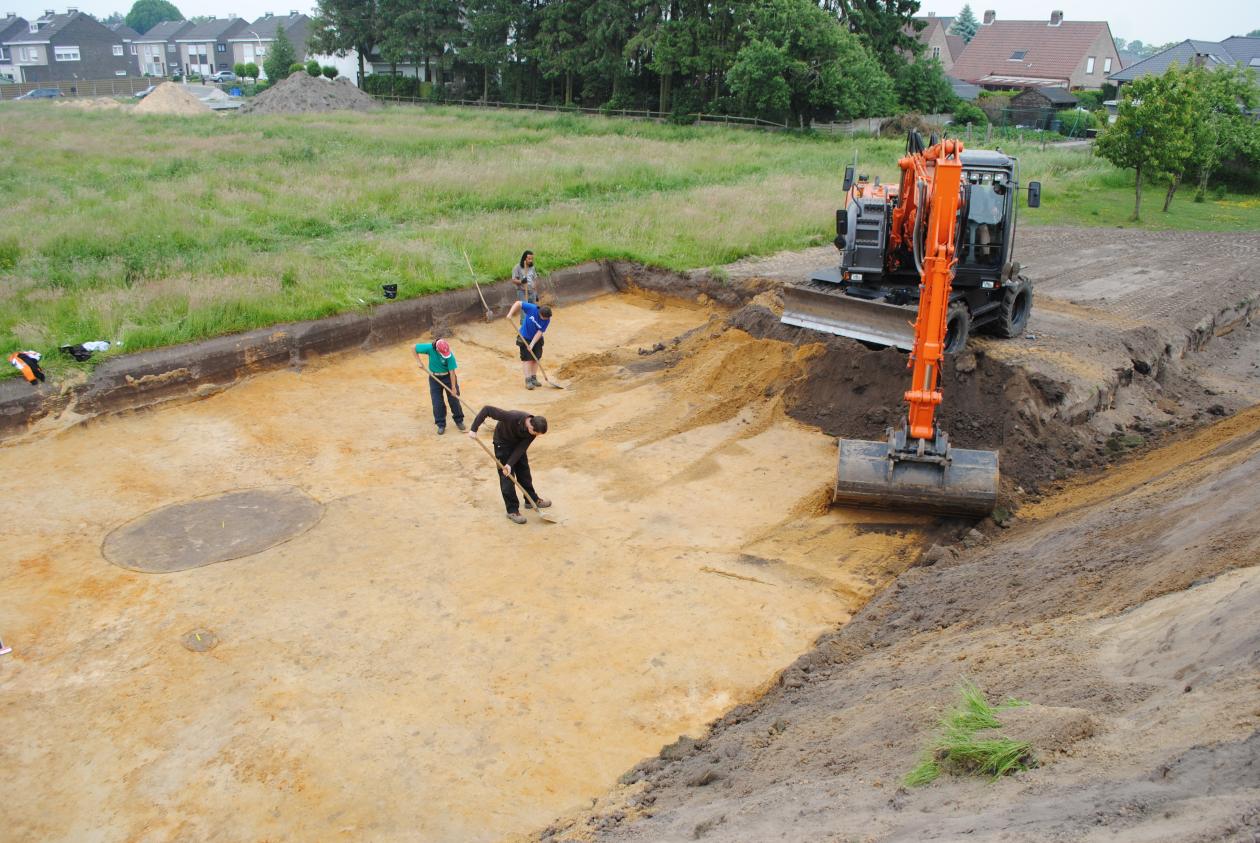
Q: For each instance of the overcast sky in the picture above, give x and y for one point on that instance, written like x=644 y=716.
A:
x=1155 y=22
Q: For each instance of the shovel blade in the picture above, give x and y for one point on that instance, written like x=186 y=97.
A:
x=865 y=476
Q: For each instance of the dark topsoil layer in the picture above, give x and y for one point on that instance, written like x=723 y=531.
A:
x=854 y=392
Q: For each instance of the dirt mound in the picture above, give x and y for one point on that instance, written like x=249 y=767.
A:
x=169 y=98
x=91 y=103
x=302 y=93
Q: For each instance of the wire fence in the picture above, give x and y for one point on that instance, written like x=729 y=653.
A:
x=81 y=87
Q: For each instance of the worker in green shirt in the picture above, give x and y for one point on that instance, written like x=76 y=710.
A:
x=442 y=365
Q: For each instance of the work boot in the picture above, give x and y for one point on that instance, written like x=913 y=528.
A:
x=534 y=378
x=543 y=503
x=529 y=383
x=460 y=426
x=516 y=518
x=441 y=429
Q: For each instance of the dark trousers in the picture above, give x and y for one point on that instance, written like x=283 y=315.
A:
x=521 y=470
x=440 y=398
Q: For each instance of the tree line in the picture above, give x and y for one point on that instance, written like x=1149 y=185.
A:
x=1186 y=123
x=793 y=61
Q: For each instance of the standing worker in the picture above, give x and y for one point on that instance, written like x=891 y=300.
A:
x=534 y=322
x=514 y=432
x=442 y=365
x=525 y=277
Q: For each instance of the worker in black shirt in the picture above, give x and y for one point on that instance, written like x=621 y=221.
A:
x=514 y=432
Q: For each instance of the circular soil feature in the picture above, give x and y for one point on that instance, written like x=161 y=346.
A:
x=200 y=640
x=212 y=529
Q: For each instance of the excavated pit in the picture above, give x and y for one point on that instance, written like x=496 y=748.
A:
x=414 y=665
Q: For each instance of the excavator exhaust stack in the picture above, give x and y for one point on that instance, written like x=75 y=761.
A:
x=935 y=478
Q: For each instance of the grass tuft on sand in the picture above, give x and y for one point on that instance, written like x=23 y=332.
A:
x=956 y=749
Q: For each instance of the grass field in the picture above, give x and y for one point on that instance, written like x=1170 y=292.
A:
x=160 y=230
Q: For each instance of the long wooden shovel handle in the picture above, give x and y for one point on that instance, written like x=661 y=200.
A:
x=475 y=284
x=483 y=445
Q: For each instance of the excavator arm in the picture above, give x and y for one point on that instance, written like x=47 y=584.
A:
x=917 y=467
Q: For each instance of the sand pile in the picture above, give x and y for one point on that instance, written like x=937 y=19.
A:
x=302 y=93
x=169 y=98
x=91 y=103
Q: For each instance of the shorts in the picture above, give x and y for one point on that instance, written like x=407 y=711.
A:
x=524 y=350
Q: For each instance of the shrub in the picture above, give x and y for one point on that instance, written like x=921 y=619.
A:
x=239 y=70
x=329 y=71
x=898 y=127
x=965 y=113
x=251 y=71
x=297 y=67
x=1073 y=122
x=312 y=67
x=957 y=749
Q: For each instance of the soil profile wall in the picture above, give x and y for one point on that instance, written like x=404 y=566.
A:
x=186 y=372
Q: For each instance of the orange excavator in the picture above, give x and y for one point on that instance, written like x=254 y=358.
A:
x=921 y=229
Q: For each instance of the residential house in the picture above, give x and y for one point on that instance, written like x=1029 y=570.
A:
x=157 y=52
x=937 y=42
x=10 y=27
x=128 y=36
x=67 y=47
x=206 y=48
x=1053 y=53
x=1236 y=50
x=254 y=42
x=964 y=90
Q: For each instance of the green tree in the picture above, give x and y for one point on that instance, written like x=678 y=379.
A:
x=922 y=86
x=886 y=27
x=251 y=71
x=146 y=14
x=802 y=61
x=561 y=40
x=486 y=37
x=330 y=72
x=1255 y=33
x=239 y=69
x=1223 y=129
x=1153 y=130
x=313 y=68
x=343 y=25
x=280 y=57
x=965 y=25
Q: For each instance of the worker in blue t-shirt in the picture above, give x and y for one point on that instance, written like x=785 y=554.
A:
x=534 y=321
x=442 y=366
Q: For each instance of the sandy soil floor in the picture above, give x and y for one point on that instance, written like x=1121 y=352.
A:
x=415 y=666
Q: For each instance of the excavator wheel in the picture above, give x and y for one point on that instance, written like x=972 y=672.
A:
x=957 y=328
x=1016 y=307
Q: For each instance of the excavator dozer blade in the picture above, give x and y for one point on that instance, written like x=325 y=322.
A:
x=865 y=476
x=824 y=307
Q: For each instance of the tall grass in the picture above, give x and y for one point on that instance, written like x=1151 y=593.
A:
x=956 y=748
x=158 y=230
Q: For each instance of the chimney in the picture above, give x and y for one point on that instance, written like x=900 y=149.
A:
x=268 y=15
x=71 y=10
x=989 y=17
x=931 y=14
x=49 y=12
x=293 y=13
x=1056 y=18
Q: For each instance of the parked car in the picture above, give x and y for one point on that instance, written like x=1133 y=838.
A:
x=223 y=76
x=40 y=94
x=142 y=94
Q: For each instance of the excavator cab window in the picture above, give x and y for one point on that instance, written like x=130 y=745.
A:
x=986 y=218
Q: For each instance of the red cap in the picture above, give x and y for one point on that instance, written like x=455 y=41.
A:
x=443 y=348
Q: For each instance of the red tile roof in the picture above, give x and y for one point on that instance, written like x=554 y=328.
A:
x=1052 y=52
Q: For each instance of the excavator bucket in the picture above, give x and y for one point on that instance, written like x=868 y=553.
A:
x=825 y=307
x=964 y=483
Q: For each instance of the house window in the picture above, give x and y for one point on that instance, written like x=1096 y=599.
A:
x=936 y=52
x=1018 y=55
x=1089 y=65
x=117 y=48
x=170 y=48
x=133 y=49
x=34 y=27
x=66 y=53
x=1107 y=65
x=120 y=73
x=220 y=48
